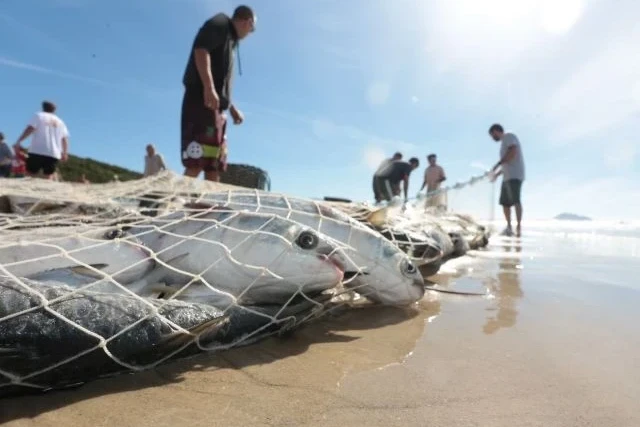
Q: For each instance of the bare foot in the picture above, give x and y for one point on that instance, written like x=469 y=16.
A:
x=518 y=231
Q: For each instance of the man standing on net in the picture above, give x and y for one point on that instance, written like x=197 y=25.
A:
x=433 y=177
x=49 y=144
x=512 y=170
x=207 y=80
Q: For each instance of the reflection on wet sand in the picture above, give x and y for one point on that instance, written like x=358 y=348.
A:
x=507 y=289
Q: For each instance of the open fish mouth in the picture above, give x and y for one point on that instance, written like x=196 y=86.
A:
x=347 y=275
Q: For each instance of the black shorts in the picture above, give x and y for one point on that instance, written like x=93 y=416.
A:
x=510 y=192
x=37 y=162
x=384 y=189
x=381 y=189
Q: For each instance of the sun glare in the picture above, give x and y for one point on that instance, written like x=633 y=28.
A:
x=558 y=17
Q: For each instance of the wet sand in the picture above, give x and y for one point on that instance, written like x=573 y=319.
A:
x=550 y=341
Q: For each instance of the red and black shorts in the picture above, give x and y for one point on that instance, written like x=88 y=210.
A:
x=203 y=139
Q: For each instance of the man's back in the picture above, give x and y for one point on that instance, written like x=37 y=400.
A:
x=49 y=130
x=396 y=171
x=383 y=166
x=513 y=169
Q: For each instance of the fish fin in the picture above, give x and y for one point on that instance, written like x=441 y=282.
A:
x=378 y=217
x=84 y=271
x=206 y=332
x=163 y=290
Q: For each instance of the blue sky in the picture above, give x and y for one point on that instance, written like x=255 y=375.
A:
x=331 y=87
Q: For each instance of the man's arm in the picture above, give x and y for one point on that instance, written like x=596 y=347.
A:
x=508 y=156
x=406 y=186
x=203 y=64
x=65 y=147
x=25 y=134
x=208 y=38
x=162 y=165
x=442 y=176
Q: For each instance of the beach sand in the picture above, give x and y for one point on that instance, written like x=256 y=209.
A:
x=554 y=342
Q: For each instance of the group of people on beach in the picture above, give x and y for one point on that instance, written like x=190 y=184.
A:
x=394 y=171
x=207 y=82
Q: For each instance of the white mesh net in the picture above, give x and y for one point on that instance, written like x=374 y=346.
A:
x=101 y=279
x=437 y=226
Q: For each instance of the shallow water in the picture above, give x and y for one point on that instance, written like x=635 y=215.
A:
x=550 y=340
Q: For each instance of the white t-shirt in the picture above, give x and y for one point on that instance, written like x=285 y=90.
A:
x=47 y=137
x=153 y=165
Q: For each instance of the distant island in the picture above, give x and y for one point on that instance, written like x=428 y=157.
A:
x=571 y=217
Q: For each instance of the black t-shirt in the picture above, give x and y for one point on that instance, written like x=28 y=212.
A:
x=396 y=171
x=218 y=37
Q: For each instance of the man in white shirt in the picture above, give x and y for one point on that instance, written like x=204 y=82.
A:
x=49 y=144
x=153 y=162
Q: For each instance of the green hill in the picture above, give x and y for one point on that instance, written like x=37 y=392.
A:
x=99 y=172
x=93 y=170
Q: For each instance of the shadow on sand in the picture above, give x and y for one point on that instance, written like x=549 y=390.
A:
x=325 y=330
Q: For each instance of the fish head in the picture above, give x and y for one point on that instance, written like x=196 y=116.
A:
x=383 y=272
x=291 y=251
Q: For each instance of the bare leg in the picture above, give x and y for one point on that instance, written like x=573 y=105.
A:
x=212 y=176
x=507 y=215
x=518 y=218
x=192 y=172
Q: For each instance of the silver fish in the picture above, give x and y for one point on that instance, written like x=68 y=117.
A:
x=79 y=254
x=373 y=266
x=225 y=257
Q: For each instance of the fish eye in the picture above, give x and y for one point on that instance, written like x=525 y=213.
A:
x=408 y=268
x=307 y=240
x=114 y=234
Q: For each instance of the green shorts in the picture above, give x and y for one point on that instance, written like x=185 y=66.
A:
x=510 y=192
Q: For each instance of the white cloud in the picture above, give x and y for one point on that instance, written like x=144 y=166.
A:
x=621 y=156
x=558 y=17
x=414 y=99
x=7 y=62
x=378 y=93
x=479 y=165
x=601 y=94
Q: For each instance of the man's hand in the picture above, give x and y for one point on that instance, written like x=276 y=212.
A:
x=65 y=157
x=236 y=114
x=211 y=99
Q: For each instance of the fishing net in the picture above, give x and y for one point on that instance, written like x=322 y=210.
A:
x=436 y=226
x=100 y=279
